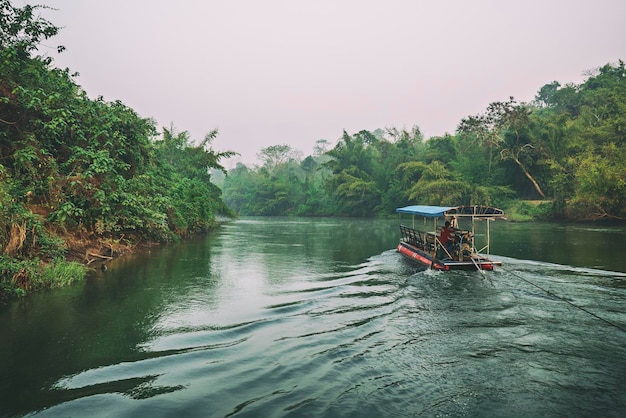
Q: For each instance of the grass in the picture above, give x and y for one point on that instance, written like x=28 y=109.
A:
x=19 y=277
x=529 y=210
x=61 y=273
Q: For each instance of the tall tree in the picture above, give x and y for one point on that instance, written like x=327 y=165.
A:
x=504 y=127
x=275 y=155
x=352 y=164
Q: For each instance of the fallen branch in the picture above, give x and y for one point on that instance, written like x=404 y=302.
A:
x=104 y=257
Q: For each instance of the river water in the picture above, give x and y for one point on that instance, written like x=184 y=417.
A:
x=272 y=317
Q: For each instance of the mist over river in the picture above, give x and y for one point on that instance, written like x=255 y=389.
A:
x=299 y=317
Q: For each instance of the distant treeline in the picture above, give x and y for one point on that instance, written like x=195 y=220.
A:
x=566 y=149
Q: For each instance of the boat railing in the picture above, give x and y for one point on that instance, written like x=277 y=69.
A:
x=463 y=248
x=432 y=241
x=412 y=236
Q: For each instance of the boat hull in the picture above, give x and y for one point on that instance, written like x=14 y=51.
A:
x=421 y=257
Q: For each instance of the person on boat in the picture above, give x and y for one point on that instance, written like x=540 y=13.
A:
x=446 y=237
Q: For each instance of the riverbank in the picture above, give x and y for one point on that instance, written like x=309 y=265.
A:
x=552 y=211
x=83 y=252
x=79 y=254
x=529 y=210
x=21 y=277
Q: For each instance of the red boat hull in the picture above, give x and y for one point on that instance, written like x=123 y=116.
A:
x=421 y=257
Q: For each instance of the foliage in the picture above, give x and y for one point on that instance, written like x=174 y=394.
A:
x=59 y=273
x=505 y=128
x=566 y=149
x=365 y=174
x=353 y=166
x=21 y=30
x=601 y=181
x=23 y=276
x=96 y=171
x=283 y=185
x=523 y=210
x=89 y=170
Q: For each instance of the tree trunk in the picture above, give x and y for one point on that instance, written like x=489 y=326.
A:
x=527 y=174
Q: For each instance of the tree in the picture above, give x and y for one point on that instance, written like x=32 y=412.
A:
x=562 y=148
x=21 y=30
x=352 y=164
x=320 y=148
x=275 y=155
x=194 y=161
x=601 y=183
x=597 y=142
x=504 y=127
x=547 y=95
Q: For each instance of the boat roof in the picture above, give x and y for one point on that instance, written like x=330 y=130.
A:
x=476 y=211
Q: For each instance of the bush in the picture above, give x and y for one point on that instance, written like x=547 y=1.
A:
x=60 y=273
x=18 y=277
x=524 y=211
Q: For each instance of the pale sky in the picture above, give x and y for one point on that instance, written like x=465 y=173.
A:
x=272 y=72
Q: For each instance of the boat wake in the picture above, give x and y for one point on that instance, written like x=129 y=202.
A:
x=380 y=338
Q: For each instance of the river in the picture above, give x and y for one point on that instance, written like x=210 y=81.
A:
x=273 y=317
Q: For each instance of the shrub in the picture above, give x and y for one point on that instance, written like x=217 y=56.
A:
x=18 y=277
x=60 y=273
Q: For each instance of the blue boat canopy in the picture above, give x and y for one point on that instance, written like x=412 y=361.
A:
x=475 y=211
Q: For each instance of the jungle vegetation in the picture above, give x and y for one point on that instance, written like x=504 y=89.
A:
x=564 y=152
x=82 y=179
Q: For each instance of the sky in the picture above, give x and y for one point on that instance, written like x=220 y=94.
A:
x=274 y=72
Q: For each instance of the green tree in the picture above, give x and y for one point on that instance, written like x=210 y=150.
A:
x=21 y=30
x=275 y=156
x=352 y=165
x=77 y=172
x=504 y=127
x=601 y=183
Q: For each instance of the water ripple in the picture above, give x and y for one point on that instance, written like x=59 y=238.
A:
x=377 y=340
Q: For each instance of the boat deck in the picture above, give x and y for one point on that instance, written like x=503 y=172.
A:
x=420 y=247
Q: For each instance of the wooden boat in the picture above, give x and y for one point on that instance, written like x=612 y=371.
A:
x=424 y=246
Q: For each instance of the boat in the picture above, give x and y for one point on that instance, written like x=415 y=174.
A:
x=424 y=247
